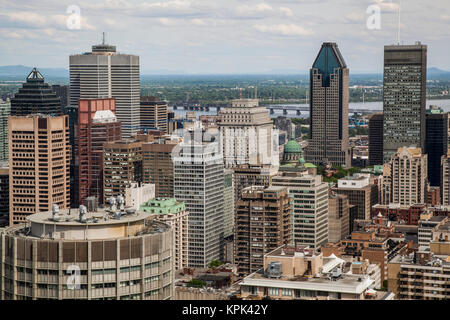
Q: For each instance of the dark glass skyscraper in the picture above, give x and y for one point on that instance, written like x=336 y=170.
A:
x=35 y=96
x=329 y=77
x=436 y=145
x=405 y=75
x=376 y=139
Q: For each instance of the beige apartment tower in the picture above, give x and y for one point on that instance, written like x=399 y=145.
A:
x=246 y=134
x=408 y=176
x=39 y=164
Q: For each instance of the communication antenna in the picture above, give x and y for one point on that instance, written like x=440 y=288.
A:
x=399 y=20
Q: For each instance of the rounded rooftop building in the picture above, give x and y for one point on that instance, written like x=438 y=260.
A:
x=107 y=254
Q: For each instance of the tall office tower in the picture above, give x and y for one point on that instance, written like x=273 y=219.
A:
x=360 y=192
x=309 y=218
x=408 y=176
x=103 y=73
x=328 y=131
x=376 y=139
x=122 y=165
x=154 y=114
x=445 y=179
x=199 y=182
x=157 y=166
x=39 y=165
x=4 y=193
x=228 y=204
x=35 y=96
x=404 y=97
x=97 y=125
x=5 y=112
x=338 y=217
x=246 y=134
x=62 y=92
x=262 y=224
x=436 y=145
x=246 y=176
x=173 y=213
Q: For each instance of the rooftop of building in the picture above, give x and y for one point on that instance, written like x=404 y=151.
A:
x=163 y=206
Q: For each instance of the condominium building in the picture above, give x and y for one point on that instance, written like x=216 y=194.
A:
x=292 y=273
x=338 y=217
x=120 y=256
x=328 y=129
x=376 y=139
x=199 y=183
x=404 y=97
x=39 y=165
x=408 y=176
x=35 y=96
x=104 y=73
x=246 y=176
x=360 y=192
x=5 y=112
x=263 y=223
x=122 y=165
x=246 y=134
x=154 y=114
x=97 y=124
x=173 y=213
x=309 y=218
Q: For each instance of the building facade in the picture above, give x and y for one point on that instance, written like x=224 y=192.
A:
x=338 y=217
x=39 y=165
x=328 y=133
x=404 y=97
x=4 y=194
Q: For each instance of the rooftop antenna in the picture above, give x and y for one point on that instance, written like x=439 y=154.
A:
x=399 y=20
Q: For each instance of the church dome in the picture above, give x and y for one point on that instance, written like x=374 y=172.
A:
x=292 y=147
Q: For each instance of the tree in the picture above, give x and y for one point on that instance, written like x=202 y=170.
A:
x=196 y=283
x=215 y=263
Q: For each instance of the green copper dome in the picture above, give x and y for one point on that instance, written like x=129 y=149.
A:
x=292 y=147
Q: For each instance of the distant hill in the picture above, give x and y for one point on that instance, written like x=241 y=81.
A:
x=20 y=72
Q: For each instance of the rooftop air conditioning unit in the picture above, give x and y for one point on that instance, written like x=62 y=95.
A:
x=274 y=270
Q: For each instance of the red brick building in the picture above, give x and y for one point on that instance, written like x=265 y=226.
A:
x=97 y=124
x=395 y=212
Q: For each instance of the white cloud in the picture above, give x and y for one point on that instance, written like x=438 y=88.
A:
x=286 y=11
x=284 y=29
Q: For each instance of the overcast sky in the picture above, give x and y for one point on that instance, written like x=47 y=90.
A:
x=221 y=36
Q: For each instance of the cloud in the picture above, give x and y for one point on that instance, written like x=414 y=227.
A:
x=286 y=11
x=26 y=19
x=284 y=29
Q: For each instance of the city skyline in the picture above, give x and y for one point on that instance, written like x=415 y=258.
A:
x=199 y=37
